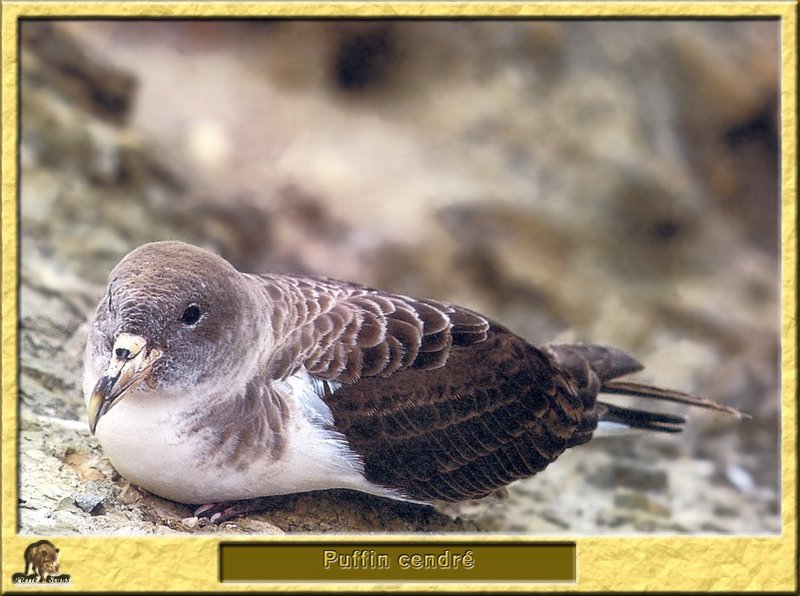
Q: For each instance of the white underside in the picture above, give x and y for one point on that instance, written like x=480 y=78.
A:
x=141 y=436
x=606 y=428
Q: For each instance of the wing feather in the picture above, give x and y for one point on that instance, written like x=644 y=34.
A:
x=439 y=402
x=343 y=331
x=496 y=411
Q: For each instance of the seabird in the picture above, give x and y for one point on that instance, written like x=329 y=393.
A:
x=205 y=385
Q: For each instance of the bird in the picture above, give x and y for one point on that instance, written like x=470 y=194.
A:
x=211 y=387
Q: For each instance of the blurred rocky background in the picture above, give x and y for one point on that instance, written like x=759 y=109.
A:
x=614 y=182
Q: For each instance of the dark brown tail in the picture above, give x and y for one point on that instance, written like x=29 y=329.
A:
x=597 y=366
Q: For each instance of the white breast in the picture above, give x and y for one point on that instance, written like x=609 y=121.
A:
x=144 y=437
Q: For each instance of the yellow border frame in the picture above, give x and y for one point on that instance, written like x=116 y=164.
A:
x=604 y=563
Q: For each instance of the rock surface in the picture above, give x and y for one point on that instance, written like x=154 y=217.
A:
x=609 y=182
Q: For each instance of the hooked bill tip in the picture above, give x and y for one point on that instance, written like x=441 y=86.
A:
x=99 y=399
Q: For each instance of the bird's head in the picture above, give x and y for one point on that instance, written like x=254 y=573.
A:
x=173 y=317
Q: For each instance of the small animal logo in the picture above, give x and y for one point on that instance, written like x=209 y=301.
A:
x=41 y=565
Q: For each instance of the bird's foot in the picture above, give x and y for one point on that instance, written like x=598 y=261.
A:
x=218 y=513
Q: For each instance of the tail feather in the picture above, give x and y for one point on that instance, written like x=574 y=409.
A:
x=594 y=369
x=648 y=391
x=606 y=362
x=641 y=419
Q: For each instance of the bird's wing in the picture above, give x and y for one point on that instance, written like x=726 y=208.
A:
x=497 y=411
x=440 y=403
x=346 y=332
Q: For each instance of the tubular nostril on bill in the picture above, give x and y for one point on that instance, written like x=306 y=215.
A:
x=126 y=347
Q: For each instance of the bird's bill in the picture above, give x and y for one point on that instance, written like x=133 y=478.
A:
x=130 y=364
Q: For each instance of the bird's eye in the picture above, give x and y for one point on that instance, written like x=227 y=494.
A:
x=191 y=315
